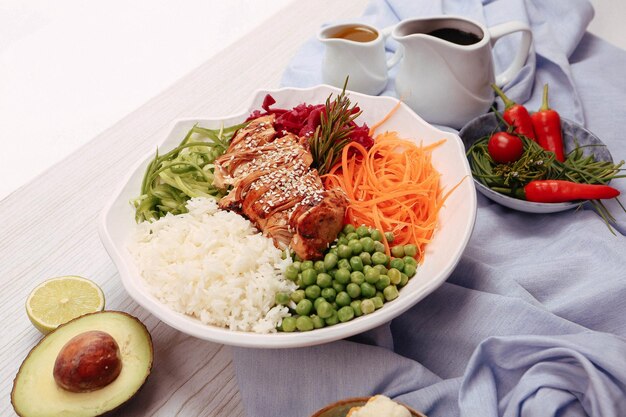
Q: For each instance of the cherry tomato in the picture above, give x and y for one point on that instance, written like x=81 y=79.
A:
x=505 y=147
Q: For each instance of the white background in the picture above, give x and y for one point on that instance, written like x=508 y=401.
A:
x=71 y=68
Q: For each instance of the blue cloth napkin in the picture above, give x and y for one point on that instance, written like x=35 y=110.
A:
x=532 y=322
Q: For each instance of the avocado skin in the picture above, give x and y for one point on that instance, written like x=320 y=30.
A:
x=69 y=324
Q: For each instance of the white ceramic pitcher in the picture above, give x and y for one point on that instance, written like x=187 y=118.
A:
x=447 y=82
x=363 y=61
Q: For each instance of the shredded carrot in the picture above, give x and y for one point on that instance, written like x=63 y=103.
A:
x=384 y=119
x=393 y=187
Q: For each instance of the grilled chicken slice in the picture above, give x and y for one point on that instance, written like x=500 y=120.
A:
x=274 y=186
x=318 y=225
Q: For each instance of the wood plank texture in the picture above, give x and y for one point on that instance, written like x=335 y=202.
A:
x=49 y=226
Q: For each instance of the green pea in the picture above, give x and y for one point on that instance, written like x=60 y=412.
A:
x=304 y=307
x=357 y=277
x=351 y=236
x=355 y=246
x=383 y=282
x=391 y=293
x=333 y=319
x=297 y=295
x=344 y=251
x=318 y=322
x=397 y=263
x=338 y=287
x=356 y=263
x=324 y=280
x=367 y=243
x=291 y=272
x=367 y=306
x=356 y=306
x=329 y=294
x=309 y=277
x=312 y=292
x=282 y=298
x=363 y=231
x=404 y=278
x=394 y=275
x=410 y=270
x=330 y=261
x=324 y=309
x=319 y=266
x=410 y=250
x=380 y=295
x=366 y=258
x=353 y=290
x=289 y=324
x=342 y=276
x=409 y=260
x=366 y=268
x=342 y=241
x=333 y=251
x=318 y=300
x=376 y=235
x=379 y=258
x=304 y=323
x=343 y=299
x=345 y=264
x=372 y=276
x=398 y=251
x=379 y=247
x=345 y=313
x=367 y=290
x=381 y=269
x=306 y=265
x=297 y=265
x=299 y=281
x=348 y=228
x=378 y=302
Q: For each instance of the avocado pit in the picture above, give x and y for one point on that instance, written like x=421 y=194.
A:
x=88 y=362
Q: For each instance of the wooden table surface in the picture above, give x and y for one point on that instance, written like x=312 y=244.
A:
x=49 y=226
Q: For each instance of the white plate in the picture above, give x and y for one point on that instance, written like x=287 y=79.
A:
x=456 y=221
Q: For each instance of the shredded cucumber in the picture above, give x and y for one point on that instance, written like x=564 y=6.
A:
x=182 y=173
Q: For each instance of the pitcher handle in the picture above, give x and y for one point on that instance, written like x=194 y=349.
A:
x=397 y=56
x=498 y=31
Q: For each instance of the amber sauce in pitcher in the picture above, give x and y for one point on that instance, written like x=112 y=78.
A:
x=356 y=34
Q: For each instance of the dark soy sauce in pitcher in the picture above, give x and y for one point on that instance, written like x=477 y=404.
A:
x=455 y=36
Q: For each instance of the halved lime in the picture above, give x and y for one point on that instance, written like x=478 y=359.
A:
x=59 y=300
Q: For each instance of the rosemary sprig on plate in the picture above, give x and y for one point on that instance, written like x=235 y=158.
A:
x=333 y=133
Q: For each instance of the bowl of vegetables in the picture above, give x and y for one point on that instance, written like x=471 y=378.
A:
x=555 y=165
x=310 y=216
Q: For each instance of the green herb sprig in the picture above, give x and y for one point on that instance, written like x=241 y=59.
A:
x=333 y=133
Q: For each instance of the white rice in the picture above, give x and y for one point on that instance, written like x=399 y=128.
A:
x=213 y=265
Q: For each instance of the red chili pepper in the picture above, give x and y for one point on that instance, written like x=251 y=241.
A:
x=547 y=125
x=516 y=115
x=560 y=191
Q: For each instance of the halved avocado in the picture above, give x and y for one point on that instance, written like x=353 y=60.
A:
x=35 y=392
